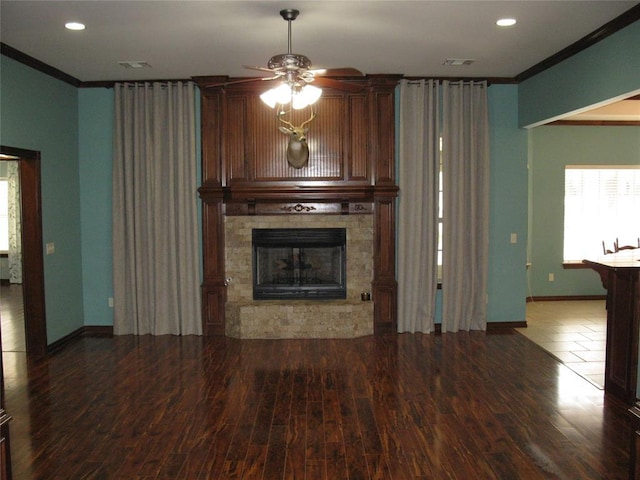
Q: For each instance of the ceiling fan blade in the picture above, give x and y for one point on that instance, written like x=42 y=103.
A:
x=260 y=69
x=341 y=72
x=243 y=80
x=337 y=85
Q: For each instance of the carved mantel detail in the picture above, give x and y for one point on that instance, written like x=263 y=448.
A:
x=298 y=208
x=351 y=171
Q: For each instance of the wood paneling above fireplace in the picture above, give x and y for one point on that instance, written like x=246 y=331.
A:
x=351 y=170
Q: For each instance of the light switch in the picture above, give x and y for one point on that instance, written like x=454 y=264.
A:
x=51 y=248
x=514 y=238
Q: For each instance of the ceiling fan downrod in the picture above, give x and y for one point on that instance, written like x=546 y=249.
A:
x=289 y=14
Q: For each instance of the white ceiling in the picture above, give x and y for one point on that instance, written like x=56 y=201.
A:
x=617 y=111
x=626 y=110
x=180 y=39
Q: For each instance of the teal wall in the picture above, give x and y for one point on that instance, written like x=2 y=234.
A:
x=553 y=147
x=40 y=113
x=606 y=70
x=96 y=107
x=507 y=287
x=96 y=111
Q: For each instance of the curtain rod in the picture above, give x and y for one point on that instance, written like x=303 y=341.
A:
x=112 y=83
x=164 y=83
x=441 y=80
x=489 y=80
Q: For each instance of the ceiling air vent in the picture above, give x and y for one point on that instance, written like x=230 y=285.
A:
x=134 y=64
x=457 y=62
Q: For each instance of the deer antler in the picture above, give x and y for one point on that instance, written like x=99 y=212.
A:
x=311 y=117
x=281 y=113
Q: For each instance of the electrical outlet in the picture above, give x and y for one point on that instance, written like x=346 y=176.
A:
x=514 y=238
x=552 y=277
x=110 y=302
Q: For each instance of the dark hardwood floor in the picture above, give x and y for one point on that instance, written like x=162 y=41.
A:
x=465 y=405
x=12 y=318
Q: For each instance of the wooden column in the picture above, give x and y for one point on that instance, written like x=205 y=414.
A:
x=382 y=128
x=211 y=192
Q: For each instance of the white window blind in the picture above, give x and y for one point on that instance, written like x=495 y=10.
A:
x=4 y=215
x=601 y=203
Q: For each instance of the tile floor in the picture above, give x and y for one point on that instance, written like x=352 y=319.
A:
x=572 y=331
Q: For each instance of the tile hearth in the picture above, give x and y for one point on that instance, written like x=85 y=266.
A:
x=300 y=319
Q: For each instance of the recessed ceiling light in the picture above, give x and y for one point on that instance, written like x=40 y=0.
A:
x=506 y=22
x=74 y=26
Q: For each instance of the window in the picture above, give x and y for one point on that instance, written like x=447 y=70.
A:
x=4 y=215
x=601 y=203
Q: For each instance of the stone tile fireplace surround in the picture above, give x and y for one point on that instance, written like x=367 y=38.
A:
x=248 y=318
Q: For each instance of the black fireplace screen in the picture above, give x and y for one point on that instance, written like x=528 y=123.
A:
x=299 y=263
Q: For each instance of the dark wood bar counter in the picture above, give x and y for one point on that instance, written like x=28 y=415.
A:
x=619 y=273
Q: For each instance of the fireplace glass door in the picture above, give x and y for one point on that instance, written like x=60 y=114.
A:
x=299 y=263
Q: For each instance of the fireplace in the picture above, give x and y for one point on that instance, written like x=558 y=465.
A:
x=349 y=183
x=299 y=263
x=300 y=317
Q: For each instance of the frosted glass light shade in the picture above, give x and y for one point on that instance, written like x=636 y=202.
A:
x=308 y=95
x=280 y=95
x=283 y=94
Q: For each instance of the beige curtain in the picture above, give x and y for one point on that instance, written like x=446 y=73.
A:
x=418 y=161
x=15 y=222
x=155 y=229
x=465 y=156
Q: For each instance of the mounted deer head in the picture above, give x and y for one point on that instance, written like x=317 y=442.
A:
x=297 y=148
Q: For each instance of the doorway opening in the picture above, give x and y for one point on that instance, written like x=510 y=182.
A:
x=33 y=302
x=12 y=303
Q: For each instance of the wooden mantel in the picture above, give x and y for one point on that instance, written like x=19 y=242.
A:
x=351 y=171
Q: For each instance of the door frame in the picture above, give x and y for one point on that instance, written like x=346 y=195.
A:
x=32 y=252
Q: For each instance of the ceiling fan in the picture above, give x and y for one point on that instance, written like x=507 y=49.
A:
x=294 y=70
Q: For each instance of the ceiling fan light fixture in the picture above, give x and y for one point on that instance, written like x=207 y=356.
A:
x=280 y=95
x=307 y=95
x=269 y=98
x=300 y=97
x=295 y=69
